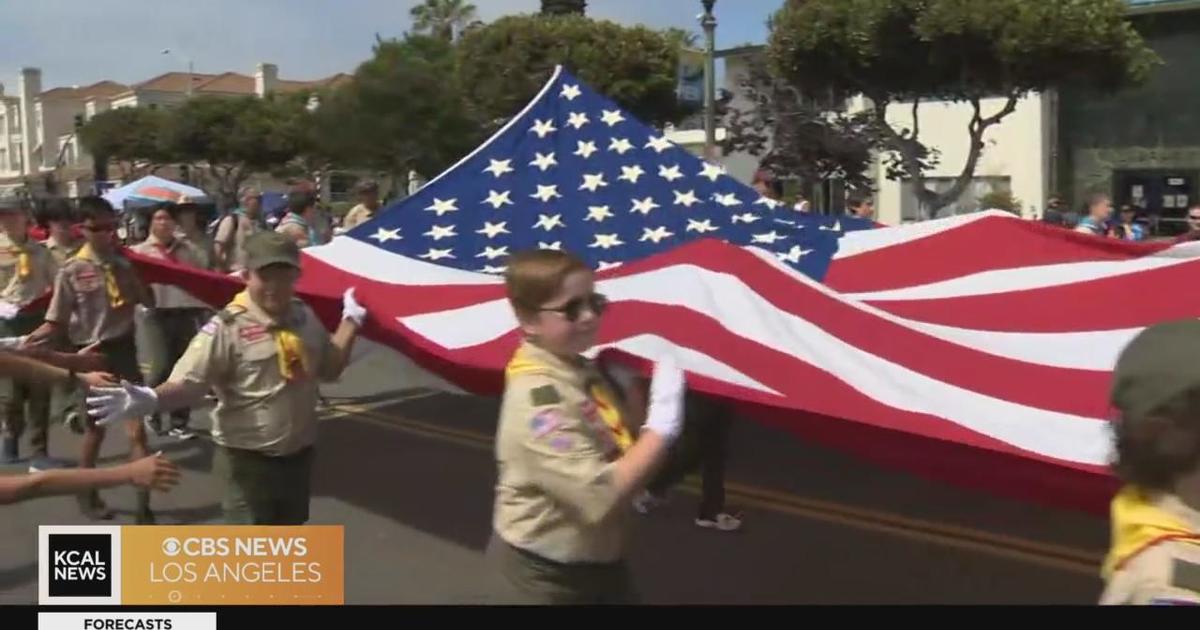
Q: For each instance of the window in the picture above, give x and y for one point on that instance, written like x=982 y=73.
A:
x=967 y=202
x=3 y=160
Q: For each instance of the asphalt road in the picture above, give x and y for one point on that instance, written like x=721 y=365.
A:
x=409 y=474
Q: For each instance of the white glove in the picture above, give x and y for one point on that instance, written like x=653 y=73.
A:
x=351 y=309
x=664 y=415
x=107 y=404
x=8 y=310
x=12 y=343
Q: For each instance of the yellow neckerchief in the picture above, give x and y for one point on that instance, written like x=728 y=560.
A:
x=523 y=363
x=115 y=299
x=24 y=260
x=293 y=361
x=1138 y=523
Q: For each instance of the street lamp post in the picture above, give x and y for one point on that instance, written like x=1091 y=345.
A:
x=709 y=23
x=191 y=72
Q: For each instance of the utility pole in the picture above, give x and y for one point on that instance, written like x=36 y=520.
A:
x=709 y=23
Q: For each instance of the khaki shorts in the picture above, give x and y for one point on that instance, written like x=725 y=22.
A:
x=259 y=489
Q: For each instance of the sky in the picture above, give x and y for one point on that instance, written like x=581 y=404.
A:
x=79 y=43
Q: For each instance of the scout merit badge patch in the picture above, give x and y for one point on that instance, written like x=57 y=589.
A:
x=544 y=395
x=252 y=333
x=85 y=281
x=545 y=423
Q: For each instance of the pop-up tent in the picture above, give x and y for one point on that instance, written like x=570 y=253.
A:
x=152 y=189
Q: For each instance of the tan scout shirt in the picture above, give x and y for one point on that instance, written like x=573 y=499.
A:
x=1165 y=573
x=42 y=268
x=233 y=239
x=81 y=301
x=556 y=494
x=357 y=216
x=235 y=353
x=206 y=257
x=61 y=251
x=181 y=251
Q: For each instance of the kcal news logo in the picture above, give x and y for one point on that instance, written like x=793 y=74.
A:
x=79 y=565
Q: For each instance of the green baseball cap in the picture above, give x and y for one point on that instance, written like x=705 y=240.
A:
x=1162 y=362
x=271 y=248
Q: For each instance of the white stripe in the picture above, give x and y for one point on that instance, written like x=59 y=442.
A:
x=863 y=241
x=375 y=263
x=655 y=348
x=747 y=315
x=1035 y=277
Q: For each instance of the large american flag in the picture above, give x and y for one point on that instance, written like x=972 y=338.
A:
x=975 y=349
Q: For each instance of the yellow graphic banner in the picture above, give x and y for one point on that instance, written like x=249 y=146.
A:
x=232 y=565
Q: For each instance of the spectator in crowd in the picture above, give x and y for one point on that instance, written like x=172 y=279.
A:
x=62 y=241
x=302 y=223
x=368 y=205
x=1099 y=210
x=861 y=206
x=234 y=228
x=1127 y=228
x=1193 y=225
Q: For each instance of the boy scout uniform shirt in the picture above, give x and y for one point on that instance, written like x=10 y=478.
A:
x=1166 y=573
x=81 y=301
x=357 y=216
x=556 y=494
x=61 y=251
x=258 y=409
x=40 y=279
x=184 y=253
x=232 y=232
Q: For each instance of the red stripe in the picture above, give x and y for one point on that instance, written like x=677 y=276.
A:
x=984 y=245
x=1130 y=300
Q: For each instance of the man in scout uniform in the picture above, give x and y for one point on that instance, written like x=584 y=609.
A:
x=27 y=272
x=95 y=294
x=235 y=227
x=368 y=204
x=56 y=218
x=177 y=315
x=264 y=355
x=1154 y=556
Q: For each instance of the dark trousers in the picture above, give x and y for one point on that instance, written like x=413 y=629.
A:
x=23 y=405
x=259 y=489
x=177 y=327
x=704 y=444
x=528 y=579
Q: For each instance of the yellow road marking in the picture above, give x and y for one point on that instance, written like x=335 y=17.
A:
x=1071 y=559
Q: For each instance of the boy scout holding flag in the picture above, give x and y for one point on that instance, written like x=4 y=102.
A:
x=568 y=460
x=95 y=294
x=1155 y=552
x=265 y=355
x=27 y=272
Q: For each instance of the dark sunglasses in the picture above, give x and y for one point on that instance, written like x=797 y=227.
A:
x=597 y=303
x=1192 y=217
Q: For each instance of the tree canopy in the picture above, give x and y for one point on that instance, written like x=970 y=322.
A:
x=442 y=18
x=909 y=51
x=127 y=138
x=502 y=65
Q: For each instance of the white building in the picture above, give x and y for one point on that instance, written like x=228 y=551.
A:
x=38 y=143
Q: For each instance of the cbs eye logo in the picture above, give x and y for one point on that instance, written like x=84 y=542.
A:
x=171 y=547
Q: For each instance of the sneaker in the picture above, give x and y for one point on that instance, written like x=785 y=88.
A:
x=647 y=501
x=9 y=451
x=721 y=522
x=44 y=462
x=181 y=433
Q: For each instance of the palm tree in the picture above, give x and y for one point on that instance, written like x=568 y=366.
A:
x=442 y=18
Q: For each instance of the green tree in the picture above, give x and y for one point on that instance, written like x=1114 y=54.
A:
x=504 y=64
x=914 y=51
x=126 y=138
x=798 y=137
x=441 y=18
x=403 y=111
x=564 y=7
x=228 y=139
